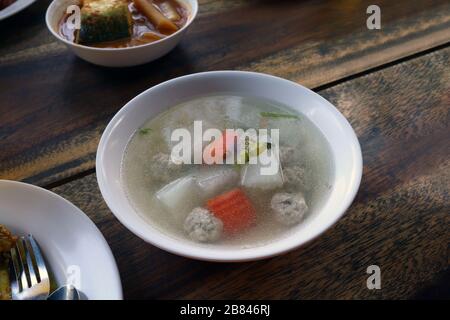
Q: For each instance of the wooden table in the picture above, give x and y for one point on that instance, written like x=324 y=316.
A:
x=393 y=85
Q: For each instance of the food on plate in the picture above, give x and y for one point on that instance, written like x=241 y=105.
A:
x=7 y=241
x=124 y=23
x=289 y=208
x=234 y=203
x=202 y=226
x=6 y=3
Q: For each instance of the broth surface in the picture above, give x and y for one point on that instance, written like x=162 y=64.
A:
x=312 y=152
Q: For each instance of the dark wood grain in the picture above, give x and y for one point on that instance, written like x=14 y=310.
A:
x=399 y=220
x=53 y=106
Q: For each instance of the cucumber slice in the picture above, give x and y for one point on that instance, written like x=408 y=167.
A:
x=103 y=21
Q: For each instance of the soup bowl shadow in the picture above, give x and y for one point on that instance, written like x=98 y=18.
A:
x=344 y=145
x=117 y=57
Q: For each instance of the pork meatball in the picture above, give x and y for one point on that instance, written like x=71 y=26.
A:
x=162 y=168
x=202 y=226
x=286 y=155
x=289 y=208
x=296 y=178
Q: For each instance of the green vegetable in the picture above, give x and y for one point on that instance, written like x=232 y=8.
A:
x=278 y=115
x=144 y=131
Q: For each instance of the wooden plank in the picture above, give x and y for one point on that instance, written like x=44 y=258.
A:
x=399 y=220
x=54 y=106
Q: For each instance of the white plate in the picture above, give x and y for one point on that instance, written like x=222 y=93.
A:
x=17 y=6
x=71 y=243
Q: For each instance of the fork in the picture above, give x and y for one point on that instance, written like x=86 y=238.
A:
x=29 y=276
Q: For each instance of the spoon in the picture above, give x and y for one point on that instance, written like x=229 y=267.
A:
x=67 y=292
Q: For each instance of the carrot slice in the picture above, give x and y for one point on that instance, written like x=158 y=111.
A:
x=234 y=209
x=220 y=147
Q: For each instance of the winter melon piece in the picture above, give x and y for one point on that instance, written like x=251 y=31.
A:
x=265 y=176
x=180 y=196
x=215 y=179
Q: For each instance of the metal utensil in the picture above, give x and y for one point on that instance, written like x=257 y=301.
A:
x=29 y=276
x=67 y=292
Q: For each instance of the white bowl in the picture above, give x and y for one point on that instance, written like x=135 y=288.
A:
x=343 y=141
x=74 y=248
x=14 y=8
x=117 y=57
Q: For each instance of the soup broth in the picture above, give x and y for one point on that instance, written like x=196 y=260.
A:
x=163 y=194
